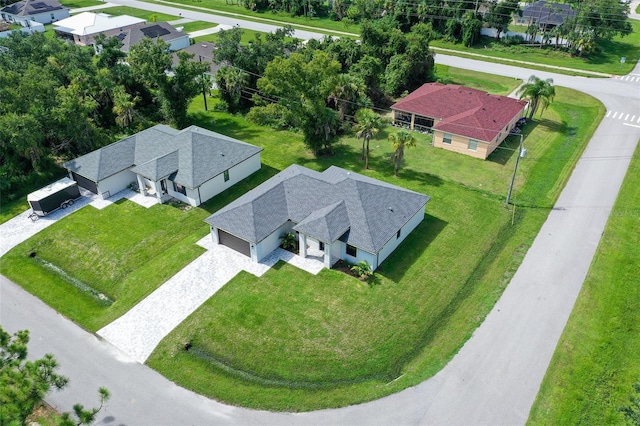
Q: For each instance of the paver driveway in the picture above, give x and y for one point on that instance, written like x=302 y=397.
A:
x=139 y=331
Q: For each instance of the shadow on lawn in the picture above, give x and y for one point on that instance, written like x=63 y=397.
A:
x=350 y=158
x=396 y=265
x=465 y=290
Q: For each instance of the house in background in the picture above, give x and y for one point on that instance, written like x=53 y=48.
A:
x=202 y=52
x=337 y=214
x=42 y=11
x=191 y=165
x=464 y=120
x=84 y=27
x=177 y=40
x=545 y=14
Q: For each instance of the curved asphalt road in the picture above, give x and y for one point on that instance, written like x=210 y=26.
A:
x=492 y=380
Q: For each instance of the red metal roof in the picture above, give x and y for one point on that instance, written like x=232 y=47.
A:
x=464 y=111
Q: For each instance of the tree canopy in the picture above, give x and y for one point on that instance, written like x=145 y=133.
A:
x=303 y=88
x=24 y=384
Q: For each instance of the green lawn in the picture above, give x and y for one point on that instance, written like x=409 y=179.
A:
x=76 y=4
x=196 y=26
x=607 y=61
x=491 y=83
x=139 y=13
x=598 y=357
x=273 y=343
x=326 y=340
x=123 y=251
x=10 y=209
x=222 y=7
x=247 y=36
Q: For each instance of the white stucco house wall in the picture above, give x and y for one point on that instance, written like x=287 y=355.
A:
x=191 y=165
x=336 y=214
x=27 y=11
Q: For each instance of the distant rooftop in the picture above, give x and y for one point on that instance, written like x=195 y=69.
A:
x=88 y=23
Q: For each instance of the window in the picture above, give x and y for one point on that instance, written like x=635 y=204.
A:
x=446 y=138
x=473 y=145
x=179 y=188
x=226 y=175
x=321 y=244
x=399 y=233
x=352 y=251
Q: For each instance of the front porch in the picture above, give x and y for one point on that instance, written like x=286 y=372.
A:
x=310 y=248
x=412 y=121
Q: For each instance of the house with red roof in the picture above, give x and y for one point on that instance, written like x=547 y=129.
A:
x=464 y=120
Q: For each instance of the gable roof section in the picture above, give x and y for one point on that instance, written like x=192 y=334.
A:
x=32 y=7
x=162 y=30
x=548 y=13
x=196 y=154
x=323 y=205
x=87 y=23
x=462 y=110
x=326 y=224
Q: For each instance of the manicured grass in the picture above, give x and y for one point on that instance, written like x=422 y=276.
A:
x=247 y=36
x=322 y=341
x=10 y=209
x=76 y=4
x=123 y=251
x=598 y=357
x=222 y=7
x=293 y=341
x=196 y=26
x=607 y=60
x=491 y=83
x=139 y=13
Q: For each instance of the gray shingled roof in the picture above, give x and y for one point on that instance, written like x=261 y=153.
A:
x=32 y=7
x=196 y=154
x=323 y=205
x=133 y=36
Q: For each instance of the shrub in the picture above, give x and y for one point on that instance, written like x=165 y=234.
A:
x=362 y=269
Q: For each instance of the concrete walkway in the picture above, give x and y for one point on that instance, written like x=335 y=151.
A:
x=139 y=331
x=208 y=31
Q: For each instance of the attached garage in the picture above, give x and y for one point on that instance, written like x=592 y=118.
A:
x=233 y=242
x=85 y=183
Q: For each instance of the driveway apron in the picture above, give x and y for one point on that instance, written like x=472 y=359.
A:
x=139 y=331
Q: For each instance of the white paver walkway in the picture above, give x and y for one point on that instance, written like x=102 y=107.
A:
x=20 y=228
x=138 y=332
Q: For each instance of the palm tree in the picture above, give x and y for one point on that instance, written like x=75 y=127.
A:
x=400 y=141
x=538 y=92
x=124 y=106
x=349 y=89
x=367 y=126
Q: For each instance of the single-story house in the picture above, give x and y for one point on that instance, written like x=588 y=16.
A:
x=42 y=11
x=545 y=14
x=202 y=52
x=177 y=40
x=84 y=27
x=464 y=120
x=337 y=214
x=191 y=165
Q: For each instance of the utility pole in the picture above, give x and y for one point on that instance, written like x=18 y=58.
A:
x=515 y=169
